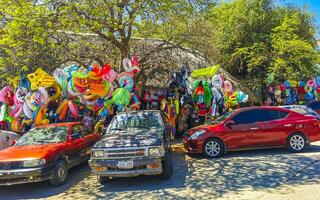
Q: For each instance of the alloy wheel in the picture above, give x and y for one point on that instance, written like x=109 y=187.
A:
x=297 y=142
x=213 y=148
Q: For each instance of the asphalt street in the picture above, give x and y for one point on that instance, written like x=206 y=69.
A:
x=257 y=174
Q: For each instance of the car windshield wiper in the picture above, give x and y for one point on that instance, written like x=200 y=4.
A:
x=117 y=129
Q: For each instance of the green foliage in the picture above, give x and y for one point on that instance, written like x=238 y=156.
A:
x=261 y=43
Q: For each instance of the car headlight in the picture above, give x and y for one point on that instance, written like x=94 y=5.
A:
x=98 y=153
x=34 y=163
x=196 y=135
x=154 y=151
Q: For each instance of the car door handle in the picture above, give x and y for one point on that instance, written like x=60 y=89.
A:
x=287 y=125
x=254 y=129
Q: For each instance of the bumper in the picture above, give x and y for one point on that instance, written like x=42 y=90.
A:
x=28 y=175
x=192 y=146
x=141 y=166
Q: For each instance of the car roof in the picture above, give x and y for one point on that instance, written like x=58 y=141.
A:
x=139 y=111
x=261 y=108
x=61 y=124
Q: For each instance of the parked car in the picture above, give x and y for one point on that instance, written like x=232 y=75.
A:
x=135 y=143
x=254 y=128
x=7 y=139
x=315 y=105
x=46 y=153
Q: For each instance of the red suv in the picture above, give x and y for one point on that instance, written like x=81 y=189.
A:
x=46 y=153
x=254 y=128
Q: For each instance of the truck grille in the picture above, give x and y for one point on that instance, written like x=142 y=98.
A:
x=124 y=153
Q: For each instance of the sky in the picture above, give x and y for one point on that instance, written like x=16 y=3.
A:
x=313 y=5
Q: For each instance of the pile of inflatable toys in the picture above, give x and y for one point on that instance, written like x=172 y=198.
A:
x=38 y=96
x=293 y=92
x=199 y=94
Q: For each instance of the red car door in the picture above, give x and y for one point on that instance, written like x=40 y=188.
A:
x=273 y=128
x=238 y=135
x=78 y=143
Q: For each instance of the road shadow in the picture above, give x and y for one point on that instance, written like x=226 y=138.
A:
x=44 y=189
x=258 y=169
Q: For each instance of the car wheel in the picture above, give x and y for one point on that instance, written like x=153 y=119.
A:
x=103 y=179
x=213 y=148
x=296 y=142
x=60 y=173
x=167 y=167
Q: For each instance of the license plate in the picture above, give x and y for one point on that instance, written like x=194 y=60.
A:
x=125 y=164
x=101 y=169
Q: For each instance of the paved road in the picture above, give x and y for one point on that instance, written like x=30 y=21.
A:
x=263 y=174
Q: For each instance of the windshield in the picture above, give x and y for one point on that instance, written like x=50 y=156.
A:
x=143 y=120
x=44 y=135
x=222 y=118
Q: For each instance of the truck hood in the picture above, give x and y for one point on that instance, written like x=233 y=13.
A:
x=130 y=138
x=21 y=153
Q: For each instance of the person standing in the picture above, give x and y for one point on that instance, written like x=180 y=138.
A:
x=88 y=120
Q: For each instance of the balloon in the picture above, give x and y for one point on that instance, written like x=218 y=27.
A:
x=228 y=86
x=39 y=119
x=126 y=63
x=135 y=61
x=287 y=84
x=3 y=112
x=311 y=83
x=61 y=78
x=242 y=97
x=189 y=84
x=282 y=87
x=293 y=83
x=126 y=82
x=208 y=72
x=7 y=96
x=111 y=76
x=16 y=125
x=73 y=109
x=217 y=81
x=21 y=93
x=26 y=110
x=121 y=96
x=71 y=91
x=54 y=92
x=317 y=80
x=40 y=79
x=17 y=111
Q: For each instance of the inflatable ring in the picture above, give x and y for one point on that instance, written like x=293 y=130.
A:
x=127 y=64
x=73 y=109
x=126 y=82
x=70 y=90
x=57 y=94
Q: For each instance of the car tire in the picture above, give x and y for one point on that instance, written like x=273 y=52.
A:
x=167 y=167
x=213 y=148
x=296 y=142
x=60 y=173
x=103 y=180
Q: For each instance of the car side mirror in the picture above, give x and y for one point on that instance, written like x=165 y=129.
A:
x=229 y=124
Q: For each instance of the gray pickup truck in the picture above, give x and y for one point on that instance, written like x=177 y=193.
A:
x=135 y=143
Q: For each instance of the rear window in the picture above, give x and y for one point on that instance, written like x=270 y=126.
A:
x=302 y=110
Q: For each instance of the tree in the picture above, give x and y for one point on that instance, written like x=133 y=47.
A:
x=253 y=38
x=83 y=31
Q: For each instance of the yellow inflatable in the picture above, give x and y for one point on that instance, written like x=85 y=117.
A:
x=205 y=72
x=40 y=78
